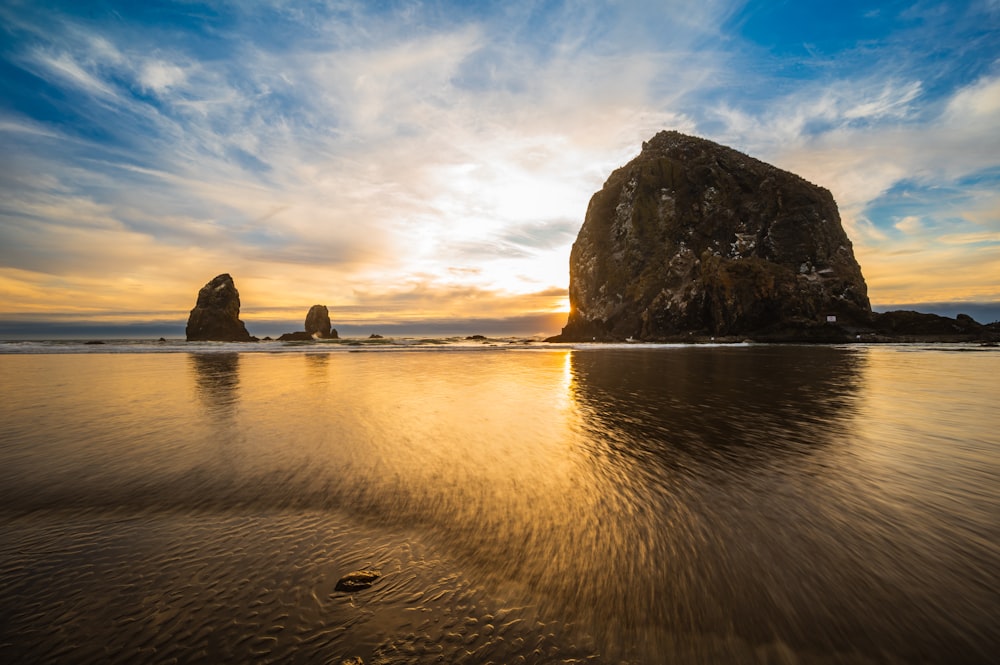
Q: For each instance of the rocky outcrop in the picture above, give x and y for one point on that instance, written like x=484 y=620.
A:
x=907 y=325
x=693 y=238
x=317 y=327
x=300 y=336
x=318 y=322
x=216 y=316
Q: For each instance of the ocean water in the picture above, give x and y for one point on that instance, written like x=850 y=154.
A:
x=525 y=503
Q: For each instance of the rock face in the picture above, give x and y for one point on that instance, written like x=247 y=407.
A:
x=216 y=316
x=694 y=238
x=318 y=321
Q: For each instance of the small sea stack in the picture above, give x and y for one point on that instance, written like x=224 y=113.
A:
x=318 y=322
x=216 y=316
x=317 y=326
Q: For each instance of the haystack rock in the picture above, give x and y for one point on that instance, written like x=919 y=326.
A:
x=216 y=316
x=318 y=322
x=692 y=238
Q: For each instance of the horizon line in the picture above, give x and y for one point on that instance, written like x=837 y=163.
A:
x=21 y=327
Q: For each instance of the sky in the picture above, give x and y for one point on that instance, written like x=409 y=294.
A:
x=415 y=164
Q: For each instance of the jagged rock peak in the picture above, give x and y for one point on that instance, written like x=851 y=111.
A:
x=216 y=315
x=695 y=238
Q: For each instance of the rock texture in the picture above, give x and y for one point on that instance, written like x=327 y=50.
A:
x=359 y=579
x=694 y=238
x=318 y=322
x=216 y=316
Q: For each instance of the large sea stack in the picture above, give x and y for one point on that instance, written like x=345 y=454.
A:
x=692 y=238
x=216 y=316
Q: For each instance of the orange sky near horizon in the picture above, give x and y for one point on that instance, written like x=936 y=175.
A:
x=434 y=160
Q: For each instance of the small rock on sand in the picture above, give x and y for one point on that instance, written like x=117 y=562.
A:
x=359 y=579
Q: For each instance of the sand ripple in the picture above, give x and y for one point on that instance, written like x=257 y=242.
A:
x=174 y=587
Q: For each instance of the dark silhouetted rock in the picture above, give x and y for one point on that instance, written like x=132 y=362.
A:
x=318 y=321
x=907 y=325
x=359 y=579
x=905 y=322
x=317 y=327
x=216 y=316
x=300 y=336
x=692 y=238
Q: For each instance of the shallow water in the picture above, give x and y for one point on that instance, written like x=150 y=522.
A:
x=689 y=505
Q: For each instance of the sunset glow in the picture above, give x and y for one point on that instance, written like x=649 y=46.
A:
x=433 y=161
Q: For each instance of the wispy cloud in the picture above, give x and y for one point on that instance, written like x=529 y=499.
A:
x=909 y=224
x=425 y=155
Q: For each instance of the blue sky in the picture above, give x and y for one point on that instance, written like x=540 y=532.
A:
x=407 y=162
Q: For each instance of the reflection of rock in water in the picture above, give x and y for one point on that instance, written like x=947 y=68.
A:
x=738 y=506
x=318 y=365
x=709 y=497
x=217 y=379
x=745 y=403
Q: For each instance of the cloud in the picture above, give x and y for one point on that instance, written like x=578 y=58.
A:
x=909 y=224
x=907 y=144
x=892 y=102
x=422 y=154
x=160 y=76
x=860 y=163
x=978 y=103
x=980 y=237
